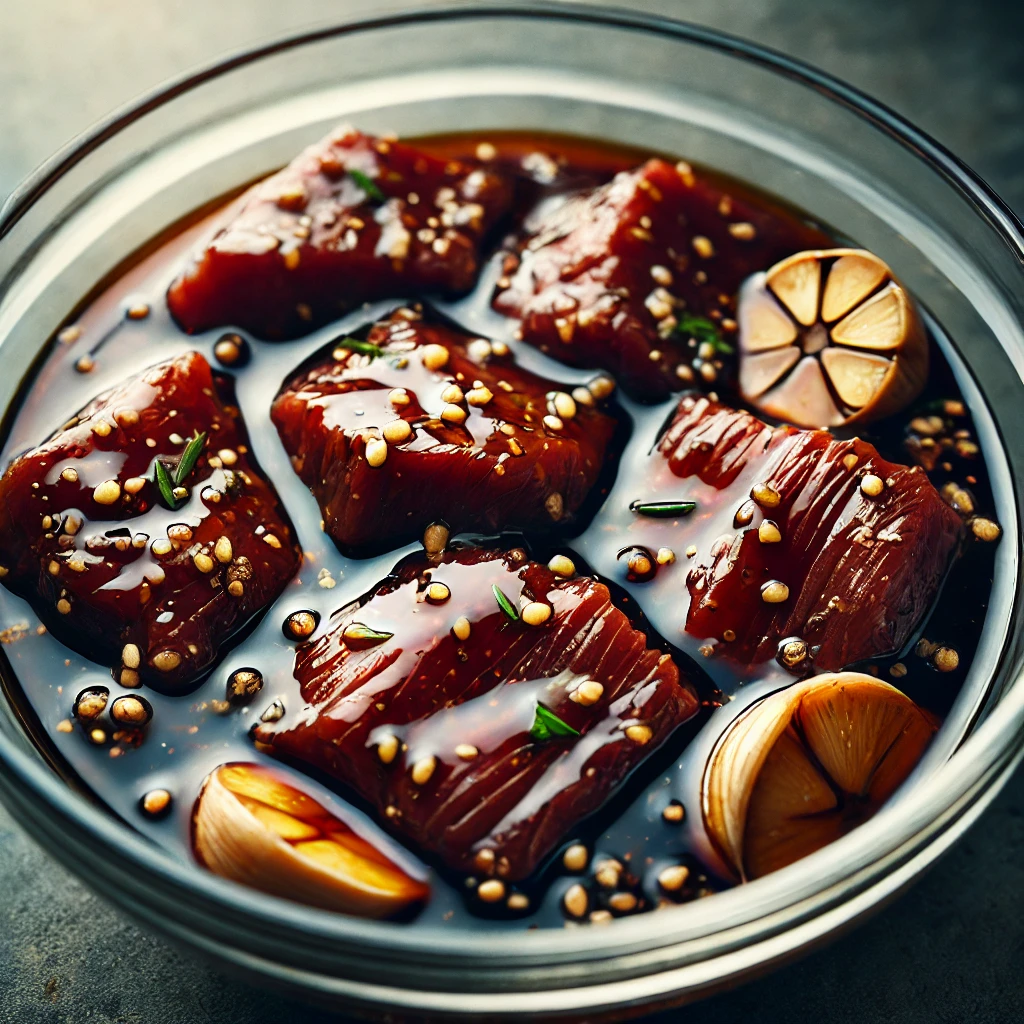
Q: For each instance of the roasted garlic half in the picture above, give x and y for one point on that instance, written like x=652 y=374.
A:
x=806 y=765
x=254 y=827
x=828 y=337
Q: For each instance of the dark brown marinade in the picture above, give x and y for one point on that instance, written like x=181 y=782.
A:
x=87 y=536
x=435 y=731
x=419 y=423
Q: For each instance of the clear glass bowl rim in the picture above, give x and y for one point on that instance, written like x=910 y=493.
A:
x=36 y=781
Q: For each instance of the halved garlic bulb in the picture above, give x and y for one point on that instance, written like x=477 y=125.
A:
x=829 y=337
x=806 y=765
x=252 y=826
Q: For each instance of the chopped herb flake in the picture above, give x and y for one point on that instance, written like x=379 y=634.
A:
x=189 y=457
x=662 y=509
x=359 y=631
x=701 y=329
x=367 y=184
x=547 y=724
x=505 y=604
x=362 y=347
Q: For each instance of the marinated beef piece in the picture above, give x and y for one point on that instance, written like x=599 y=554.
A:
x=640 y=275
x=482 y=734
x=419 y=423
x=796 y=536
x=353 y=218
x=87 y=536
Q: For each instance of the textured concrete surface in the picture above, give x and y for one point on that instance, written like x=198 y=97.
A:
x=952 y=949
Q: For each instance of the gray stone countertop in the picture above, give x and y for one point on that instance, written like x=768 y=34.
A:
x=952 y=948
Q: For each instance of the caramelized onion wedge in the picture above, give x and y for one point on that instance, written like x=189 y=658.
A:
x=254 y=827
x=843 y=310
x=806 y=765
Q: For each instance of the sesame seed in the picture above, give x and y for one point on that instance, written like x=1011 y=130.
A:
x=399 y=396
x=86 y=364
x=453 y=414
x=665 y=556
x=673 y=878
x=423 y=769
x=161 y=546
x=576 y=900
x=985 y=529
x=435 y=538
x=376 y=452
x=478 y=349
x=536 y=613
x=479 y=395
x=466 y=751
x=98 y=736
x=553 y=423
x=131 y=657
x=872 y=485
x=774 y=592
x=69 y=475
x=166 y=661
x=461 y=628
x=292 y=258
x=438 y=593
x=236 y=588
x=623 y=902
x=107 y=493
x=898 y=670
x=485 y=151
x=561 y=565
x=491 y=891
x=65 y=726
x=576 y=857
x=581 y=396
x=518 y=901
x=769 y=533
x=64 y=606
x=396 y=431
x=945 y=659
x=387 y=748
x=743 y=230
x=703 y=247
x=134 y=484
x=130 y=711
x=452 y=394
x=434 y=356
x=673 y=813
x=203 y=562
x=587 y=693
x=607 y=874
x=601 y=387
x=564 y=405
x=662 y=275
x=765 y=495
x=849 y=461
x=744 y=514
x=70 y=334
x=639 y=733
x=685 y=171
x=130 y=678
x=228 y=456
x=155 y=802
x=499 y=348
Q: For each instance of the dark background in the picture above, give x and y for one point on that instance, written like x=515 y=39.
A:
x=952 y=948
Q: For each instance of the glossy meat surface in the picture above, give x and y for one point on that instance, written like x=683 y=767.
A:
x=482 y=451
x=352 y=218
x=86 y=536
x=861 y=569
x=496 y=799
x=608 y=277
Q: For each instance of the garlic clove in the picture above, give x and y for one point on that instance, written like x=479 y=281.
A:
x=879 y=324
x=803 y=397
x=851 y=280
x=253 y=826
x=806 y=765
x=760 y=370
x=796 y=282
x=762 y=322
x=856 y=376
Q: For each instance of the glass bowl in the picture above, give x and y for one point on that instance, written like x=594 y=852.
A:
x=637 y=79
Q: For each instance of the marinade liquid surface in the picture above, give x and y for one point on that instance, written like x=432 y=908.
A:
x=187 y=738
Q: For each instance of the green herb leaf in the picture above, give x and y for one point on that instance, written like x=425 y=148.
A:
x=361 y=632
x=662 y=509
x=367 y=184
x=547 y=724
x=165 y=485
x=701 y=329
x=505 y=604
x=189 y=457
x=362 y=347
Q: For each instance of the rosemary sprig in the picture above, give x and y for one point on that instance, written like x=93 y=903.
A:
x=662 y=509
x=367 y=184
x=165 y=485
x=504 y=603
x=547 y=724
x=365 y=348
